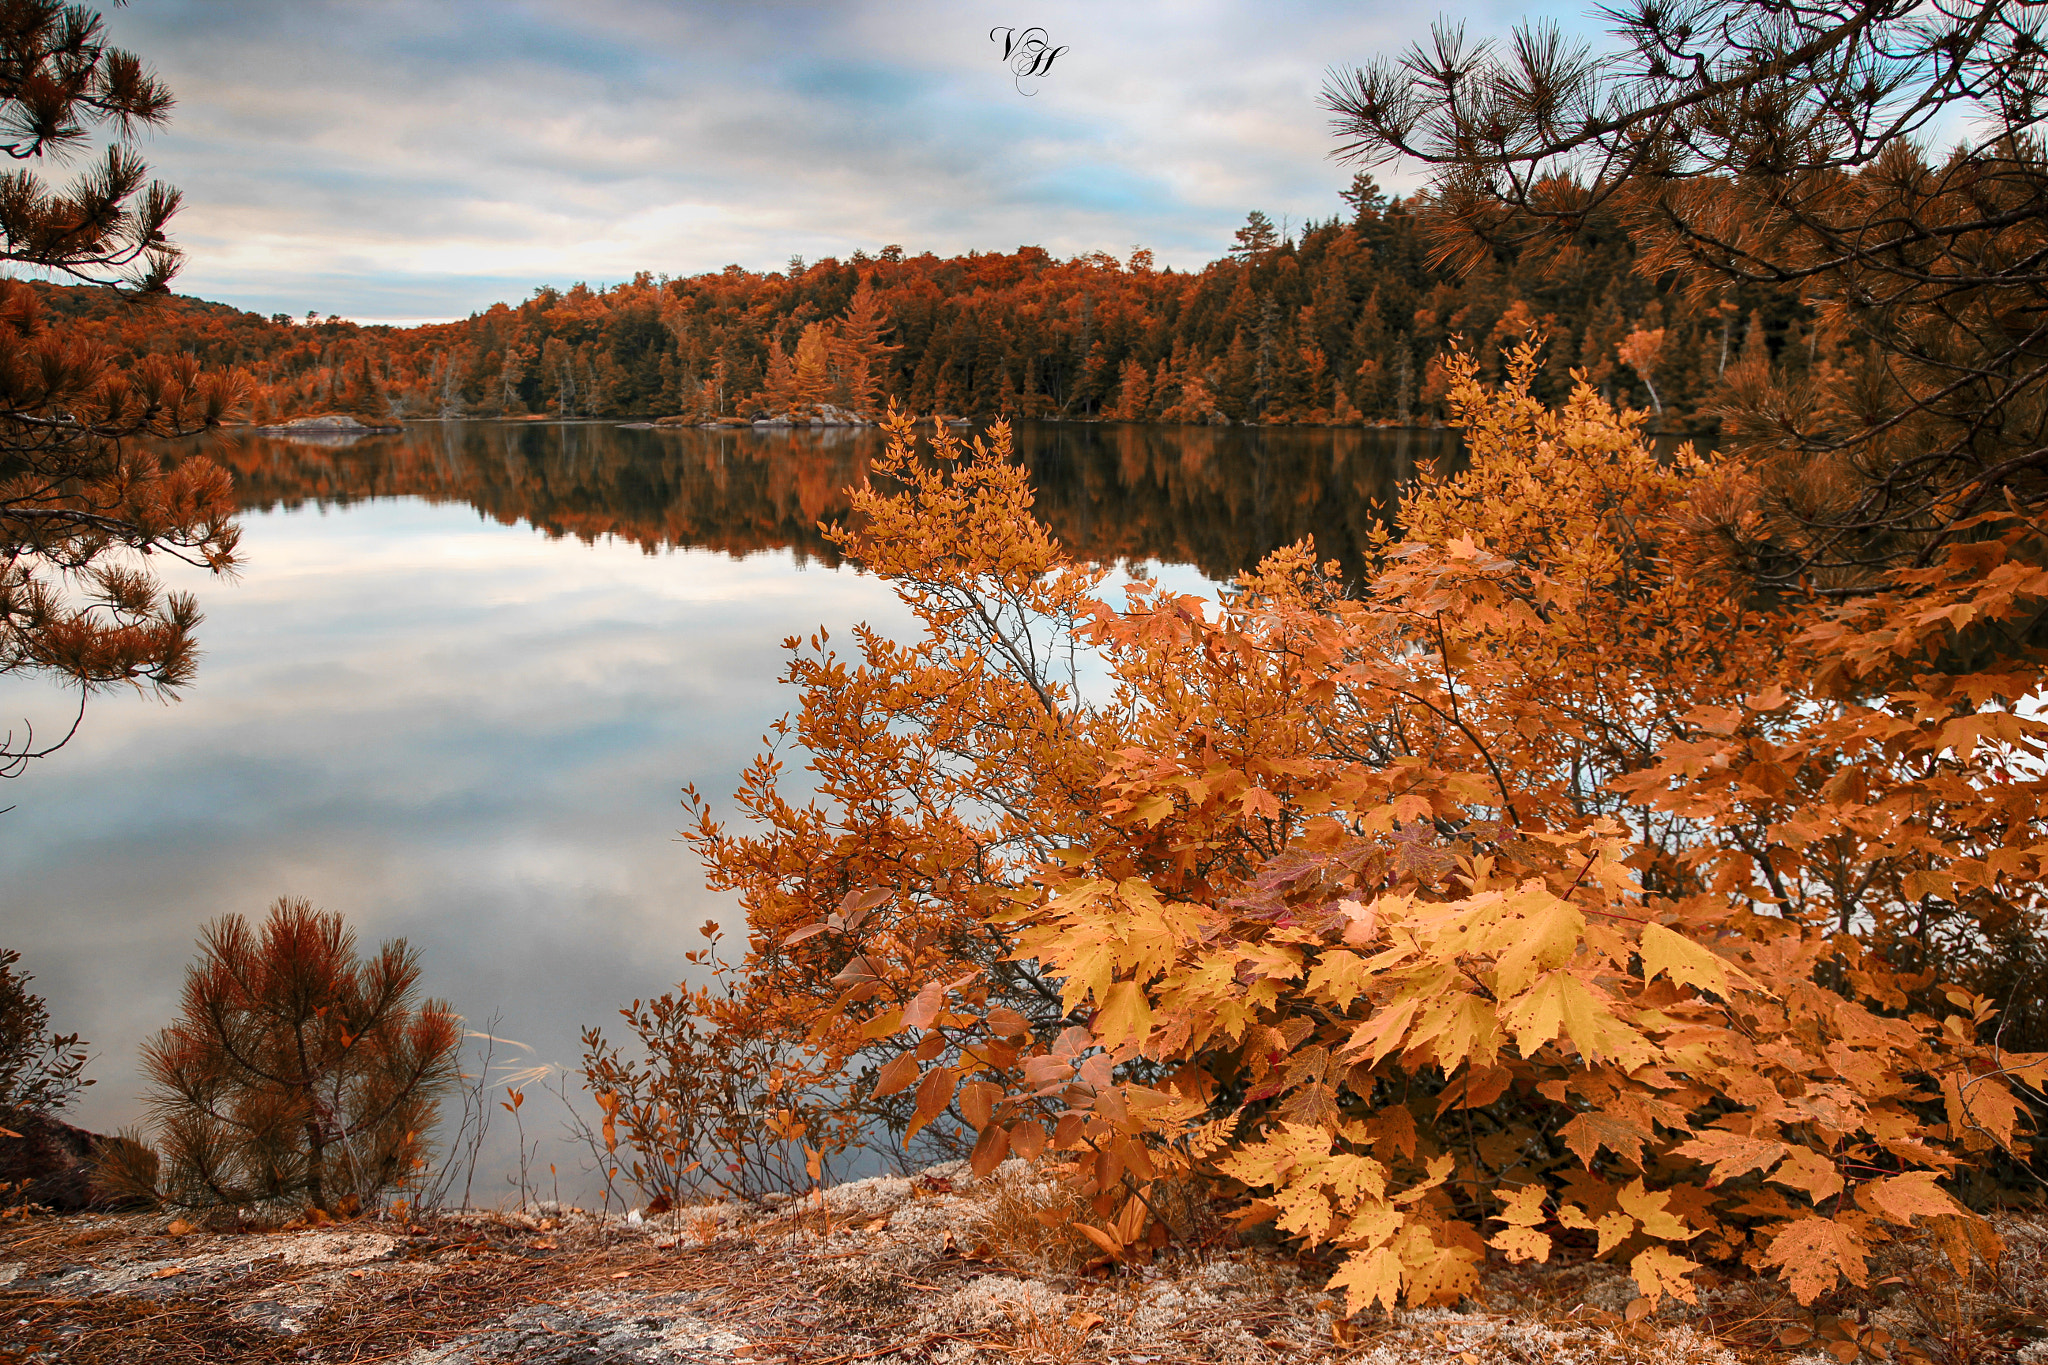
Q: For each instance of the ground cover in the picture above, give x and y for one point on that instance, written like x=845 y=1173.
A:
x=934 y=1269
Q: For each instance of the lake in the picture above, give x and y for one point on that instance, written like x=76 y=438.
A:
x=464 y=672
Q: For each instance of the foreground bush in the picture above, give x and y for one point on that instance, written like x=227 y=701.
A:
x=715 y=1099
x=40 y=1071
x=297 y=1072
x=1548 y=887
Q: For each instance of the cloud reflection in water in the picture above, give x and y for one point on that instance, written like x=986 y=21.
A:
x=416 y=709
x=460 y=732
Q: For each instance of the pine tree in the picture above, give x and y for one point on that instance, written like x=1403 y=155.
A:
x=1764 y=145
x=78 y=505
x=297 y=1072
x=1256 y=239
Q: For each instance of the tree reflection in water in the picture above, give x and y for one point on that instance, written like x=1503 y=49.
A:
x=1218 y=498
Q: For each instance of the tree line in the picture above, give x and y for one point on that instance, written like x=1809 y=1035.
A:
x=1346 y=321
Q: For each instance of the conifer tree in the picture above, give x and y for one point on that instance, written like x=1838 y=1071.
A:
x=861 y=354
x=78 y=502
x=297 y=1072
x=1784 y=145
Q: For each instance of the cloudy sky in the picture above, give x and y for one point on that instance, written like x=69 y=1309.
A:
x=412 y=159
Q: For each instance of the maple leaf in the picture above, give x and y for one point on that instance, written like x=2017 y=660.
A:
x=1732 y=1154
x=1126 y=1015
x=1657 y=1272
x=1613 y=1229
x=1686 y=962
x=1902 y=1198
x=1810 y=1171
x=1305 y=1211
x=1339 y=977
x=1545 y=940
x=1586 y=1134
x=1522 y=1243
x=1432 y=1273
x=1385 y=1032
x=1650 y=1209
x=1260 y=802
x=1813 y=1254
x=1314 y=1104
x=1524 y=1208
x=1369 y=1277
x=1561 y=1005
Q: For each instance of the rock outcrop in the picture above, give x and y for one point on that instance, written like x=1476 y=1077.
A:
x=48 y=1162
x=333 y=427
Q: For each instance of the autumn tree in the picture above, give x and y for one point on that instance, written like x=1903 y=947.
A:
x=1529 y=894
x=1784 y=146
x=809 y=378
x=1640 y=351
x=297 y=1071
x=862 y=354
x=79 y=503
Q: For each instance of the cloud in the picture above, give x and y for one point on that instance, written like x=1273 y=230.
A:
x=381 y=159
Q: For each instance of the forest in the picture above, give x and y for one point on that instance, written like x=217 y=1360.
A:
x=1345 y=322
x=1635 y=856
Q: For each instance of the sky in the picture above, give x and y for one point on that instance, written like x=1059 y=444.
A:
x=417 y=160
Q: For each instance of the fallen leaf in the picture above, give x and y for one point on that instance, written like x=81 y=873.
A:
x=179 y=1228
x=166 y=1272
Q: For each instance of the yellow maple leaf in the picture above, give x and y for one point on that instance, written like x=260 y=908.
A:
x=1522 y=1243
x=1650 y=1209
x=1524 y=1208
x=1338 y=976
x=1561 y=1005
x=1369 y=1277
x=1541 y=939
x=1731 y=1154
x=1658 y=1272
x=1807 y=1170
x=1614 y=1228
x=1126 y=1015
x=1385 y=1032
x=1686 y=962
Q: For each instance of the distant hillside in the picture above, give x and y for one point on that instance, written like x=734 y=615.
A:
x=1342 y=323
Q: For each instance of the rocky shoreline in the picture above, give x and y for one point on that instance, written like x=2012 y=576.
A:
x=936 y=1269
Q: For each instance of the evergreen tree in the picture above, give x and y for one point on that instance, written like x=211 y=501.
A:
x=78 y=504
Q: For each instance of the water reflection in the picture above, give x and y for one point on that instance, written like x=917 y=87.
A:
x=456 y=729
x=1215 y=498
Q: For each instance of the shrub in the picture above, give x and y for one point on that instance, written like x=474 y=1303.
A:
x=719 y=1099
x=1546 y=889
x=40 y=1071
x=297 y=1072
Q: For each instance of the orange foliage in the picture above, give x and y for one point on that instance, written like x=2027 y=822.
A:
x=1549 y=888
x=81 y=506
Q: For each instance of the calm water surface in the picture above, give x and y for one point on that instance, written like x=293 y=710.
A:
x=464 y=672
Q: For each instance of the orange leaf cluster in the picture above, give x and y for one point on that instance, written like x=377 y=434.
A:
x=1549 y=888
